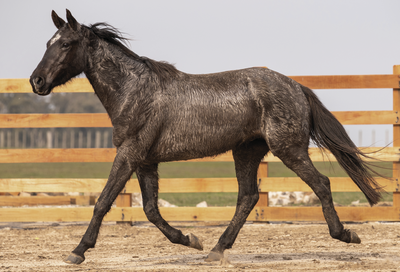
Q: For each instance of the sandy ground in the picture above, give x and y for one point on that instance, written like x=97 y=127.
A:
x=259 y=247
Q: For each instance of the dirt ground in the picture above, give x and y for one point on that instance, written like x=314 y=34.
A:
x=142 y=247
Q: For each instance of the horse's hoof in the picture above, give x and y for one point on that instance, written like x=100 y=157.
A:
x=195 y=242
x=214 y=257
x=74 y=259
x=354 y=238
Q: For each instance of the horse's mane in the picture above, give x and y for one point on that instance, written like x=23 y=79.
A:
x=112 y=35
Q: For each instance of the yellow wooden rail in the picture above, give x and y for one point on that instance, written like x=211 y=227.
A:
x=182 y=185
x=40 y=155
x=82 y=85
x=199 y=214
x=102 y=120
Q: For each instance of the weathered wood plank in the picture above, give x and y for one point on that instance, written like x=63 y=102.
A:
x=17 y=201
x=182 y=185
x=348 y=81
x=396 y=137
x=41 y=155
x=124 y=200
x=102 y=119
x=21 y=85
x=53 y=185
x=262 y=172
x=344 y=184
x=57 y=155
x=367 y=117
x=355 y=214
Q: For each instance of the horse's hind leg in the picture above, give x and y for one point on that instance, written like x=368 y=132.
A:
x=297 y=159
x=148 y=181
x=247 y=159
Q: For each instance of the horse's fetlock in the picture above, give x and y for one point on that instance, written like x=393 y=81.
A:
x=341 y=235
x=177 y=238
x=336 y=234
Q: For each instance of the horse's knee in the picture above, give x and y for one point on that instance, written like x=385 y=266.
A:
x=100 y=209
x=249 y=200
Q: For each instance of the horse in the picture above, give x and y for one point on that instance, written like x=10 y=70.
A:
x=160 y=114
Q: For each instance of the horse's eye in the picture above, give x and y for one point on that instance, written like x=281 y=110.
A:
x=65 y=45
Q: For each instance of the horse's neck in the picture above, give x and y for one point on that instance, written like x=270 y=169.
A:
x=106 y=73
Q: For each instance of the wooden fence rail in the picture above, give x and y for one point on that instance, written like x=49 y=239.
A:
x=262 y=212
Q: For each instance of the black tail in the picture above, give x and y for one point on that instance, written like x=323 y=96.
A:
x=327 y=132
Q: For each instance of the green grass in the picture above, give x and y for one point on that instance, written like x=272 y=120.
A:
x=180 y=170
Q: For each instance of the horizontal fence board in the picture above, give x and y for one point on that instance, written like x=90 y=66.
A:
x=66 y=120
x=182 y=185
x=367 y=117
x=42 y=155
x=349 y=81
x=54 y=185
x=355 y=214
x=338 y=184
x=34 y=200
x=21 y=85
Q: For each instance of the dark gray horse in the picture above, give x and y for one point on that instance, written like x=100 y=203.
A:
x=160 y=114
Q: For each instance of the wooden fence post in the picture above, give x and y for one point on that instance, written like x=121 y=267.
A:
x=124 y=200
x=396 y=137
x=262 y=173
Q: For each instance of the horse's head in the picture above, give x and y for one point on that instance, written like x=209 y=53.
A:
x=64 y=57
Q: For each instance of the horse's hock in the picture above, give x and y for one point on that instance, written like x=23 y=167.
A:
x=124 y=210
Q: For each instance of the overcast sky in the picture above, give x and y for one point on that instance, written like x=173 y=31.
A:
x=292 y=37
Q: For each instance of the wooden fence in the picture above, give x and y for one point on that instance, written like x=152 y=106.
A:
x=123 y=211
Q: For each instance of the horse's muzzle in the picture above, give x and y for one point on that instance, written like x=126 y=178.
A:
x=38 y=85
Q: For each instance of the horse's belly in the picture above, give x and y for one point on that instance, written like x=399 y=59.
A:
x=186 y=144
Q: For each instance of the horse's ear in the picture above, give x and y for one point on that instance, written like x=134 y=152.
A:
x=58 y=22
x=72 y=21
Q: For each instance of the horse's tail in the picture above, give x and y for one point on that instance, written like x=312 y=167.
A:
x=327 y=132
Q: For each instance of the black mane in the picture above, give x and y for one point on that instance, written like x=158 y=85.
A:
x=112 y=35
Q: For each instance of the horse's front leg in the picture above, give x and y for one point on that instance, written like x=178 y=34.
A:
x=121 y=171
x=148 y=180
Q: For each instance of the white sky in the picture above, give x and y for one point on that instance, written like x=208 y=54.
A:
x=292 y=37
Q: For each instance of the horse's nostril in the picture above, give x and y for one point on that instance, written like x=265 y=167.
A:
x=39 y=81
